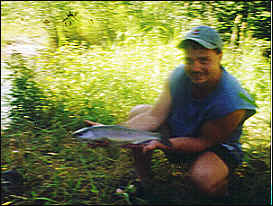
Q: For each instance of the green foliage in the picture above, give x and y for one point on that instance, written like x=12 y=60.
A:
x=28 y=100
x=100 y=82
x=106 y=22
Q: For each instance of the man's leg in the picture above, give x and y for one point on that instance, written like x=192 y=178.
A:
x=209 y=173
x=142 y=161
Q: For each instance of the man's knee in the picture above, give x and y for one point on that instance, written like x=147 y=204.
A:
x=207 y=186
x=209 y=174
x=138 y=110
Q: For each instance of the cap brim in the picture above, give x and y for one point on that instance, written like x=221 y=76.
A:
x=205 y=44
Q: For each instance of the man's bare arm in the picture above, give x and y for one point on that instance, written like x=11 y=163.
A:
x=152 y=119
x=212 y=133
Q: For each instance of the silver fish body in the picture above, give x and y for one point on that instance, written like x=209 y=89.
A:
x=116 y=134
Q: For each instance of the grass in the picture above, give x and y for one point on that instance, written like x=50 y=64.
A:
x=68 y=172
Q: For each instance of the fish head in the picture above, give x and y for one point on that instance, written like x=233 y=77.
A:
x=84 y=133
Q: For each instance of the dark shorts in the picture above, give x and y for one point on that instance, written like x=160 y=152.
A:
x=227 y=156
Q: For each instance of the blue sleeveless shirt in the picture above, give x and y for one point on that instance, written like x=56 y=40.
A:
x=188 y=114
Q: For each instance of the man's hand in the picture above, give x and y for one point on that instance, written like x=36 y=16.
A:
x=91 y=123
x=151 y=146
x=155 y=145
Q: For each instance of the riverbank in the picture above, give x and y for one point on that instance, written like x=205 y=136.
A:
x=5 y=88
x=27 y=47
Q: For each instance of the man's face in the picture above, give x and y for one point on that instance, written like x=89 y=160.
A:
x=202 y=65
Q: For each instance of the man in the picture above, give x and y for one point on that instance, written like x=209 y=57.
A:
x=202 y=105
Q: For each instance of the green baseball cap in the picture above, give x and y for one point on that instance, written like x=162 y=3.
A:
x=205 y=36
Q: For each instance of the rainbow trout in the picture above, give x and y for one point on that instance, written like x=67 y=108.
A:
x=118 y=135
